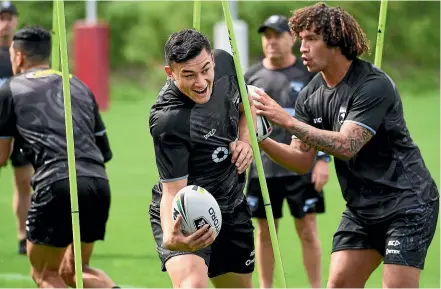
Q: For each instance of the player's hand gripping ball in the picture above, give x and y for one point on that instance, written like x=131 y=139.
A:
x=197 y=208
x=263 y=126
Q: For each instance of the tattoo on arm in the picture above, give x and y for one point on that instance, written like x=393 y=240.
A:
x=344 y=144
x=301 y=146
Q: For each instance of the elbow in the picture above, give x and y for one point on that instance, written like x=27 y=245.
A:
x=345 y=155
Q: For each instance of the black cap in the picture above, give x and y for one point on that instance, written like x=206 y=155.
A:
x=7 y=6
x=276 y=22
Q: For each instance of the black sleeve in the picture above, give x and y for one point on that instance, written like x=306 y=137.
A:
x=7 y=115
x=172 y=154
x=101 y=138
x=301 y=112
x=371 y=102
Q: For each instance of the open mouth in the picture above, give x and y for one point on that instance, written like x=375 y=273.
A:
x=305 y=60
x=203 y=91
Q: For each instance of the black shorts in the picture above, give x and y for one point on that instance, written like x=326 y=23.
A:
x=299 y=192
x=232 y=251
x=402 y=239
x=50 y=221
x=18 y=156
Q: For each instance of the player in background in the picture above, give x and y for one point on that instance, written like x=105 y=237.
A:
x=353 y=111
x=32 y=110
x=282 y=75
x=200 y=137
x=22 y=168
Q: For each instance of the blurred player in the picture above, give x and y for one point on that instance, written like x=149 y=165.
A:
x=201 y=137
x=32 y=111
x=352 y=110
x=282 y=75
x=22 y=168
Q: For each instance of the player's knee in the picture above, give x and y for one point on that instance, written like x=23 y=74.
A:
x=23 y=185
x=41 y=276
x=400 y=283
x=264 y=234
x=337 y=281
x=194 y=281
x=308 y=237
x=67 y=273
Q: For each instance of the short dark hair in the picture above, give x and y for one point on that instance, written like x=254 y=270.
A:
x=339 y=28
x=34 y=42
x=184 y=45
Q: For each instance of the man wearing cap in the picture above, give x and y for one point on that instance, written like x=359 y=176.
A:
x=23 y=170
x=281 y=75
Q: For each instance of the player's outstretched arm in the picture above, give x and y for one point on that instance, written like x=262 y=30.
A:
x=343 y=144
x=298 y=156
x=173 y=237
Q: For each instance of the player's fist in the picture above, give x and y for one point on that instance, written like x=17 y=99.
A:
x=263 y=128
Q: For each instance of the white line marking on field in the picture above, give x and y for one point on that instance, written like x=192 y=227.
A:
x=21 y=277
x=15 y=276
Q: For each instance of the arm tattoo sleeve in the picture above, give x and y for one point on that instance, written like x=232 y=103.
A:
x=344 y=144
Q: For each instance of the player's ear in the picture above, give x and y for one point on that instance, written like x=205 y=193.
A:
x=168 y=71
x=212 y=59
x=19 y=58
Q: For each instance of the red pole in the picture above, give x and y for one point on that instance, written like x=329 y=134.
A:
x=91 y=59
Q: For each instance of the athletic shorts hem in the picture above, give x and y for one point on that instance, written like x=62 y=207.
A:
x=176 y=254
x=217 y=274
x=50 y=244
x=343 y=248
x=397 y=262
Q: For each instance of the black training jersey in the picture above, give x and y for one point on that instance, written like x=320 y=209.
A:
x=389 y=171
x=32 y=111
x=5 y=64
x=283 y=85
x=192 y=140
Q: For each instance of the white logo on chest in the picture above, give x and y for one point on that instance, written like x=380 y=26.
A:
x=220 y=154
x=210 y=133
x=342 y=115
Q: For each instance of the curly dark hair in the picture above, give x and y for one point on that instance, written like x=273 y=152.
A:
x=339 y=29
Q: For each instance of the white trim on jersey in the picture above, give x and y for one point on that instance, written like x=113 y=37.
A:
x=174 y=179
x=363 y=125
x=100 y=133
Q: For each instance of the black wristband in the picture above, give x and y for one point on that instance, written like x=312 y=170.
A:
x=324 y=157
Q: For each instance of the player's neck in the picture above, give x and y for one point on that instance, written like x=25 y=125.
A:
x=280 y=63
x=39 y=66
x=336 y=70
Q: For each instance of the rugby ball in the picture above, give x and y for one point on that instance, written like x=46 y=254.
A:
x=264 y=127
x=197 y=208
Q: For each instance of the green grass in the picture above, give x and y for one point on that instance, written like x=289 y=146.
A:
x=128 y=255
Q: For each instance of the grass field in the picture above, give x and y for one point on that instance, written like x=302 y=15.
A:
x=128 y=255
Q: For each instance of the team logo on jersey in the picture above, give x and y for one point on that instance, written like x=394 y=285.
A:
x=342 y=115
x=296 y=86
x=220 y=154
x=310 y=204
